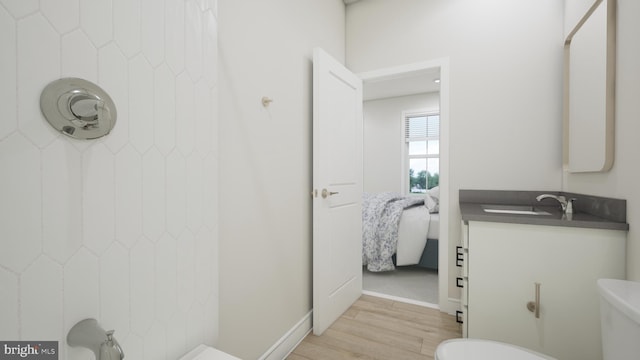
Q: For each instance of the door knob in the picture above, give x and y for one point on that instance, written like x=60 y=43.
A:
x=326 y=193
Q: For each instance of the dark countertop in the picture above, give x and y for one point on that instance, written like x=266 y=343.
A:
x=589 y=211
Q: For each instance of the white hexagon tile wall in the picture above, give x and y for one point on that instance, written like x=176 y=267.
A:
x=124 y=228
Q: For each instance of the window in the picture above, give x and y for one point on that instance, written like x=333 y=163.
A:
x=422 y=151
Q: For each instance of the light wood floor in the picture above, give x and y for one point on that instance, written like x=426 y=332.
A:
x=377 y=328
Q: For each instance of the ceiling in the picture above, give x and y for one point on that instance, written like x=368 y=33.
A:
x=411 y=83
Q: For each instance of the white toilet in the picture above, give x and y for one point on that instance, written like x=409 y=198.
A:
x=620 y=318
x=204 y=352
x=620 y=324
x=476 y=349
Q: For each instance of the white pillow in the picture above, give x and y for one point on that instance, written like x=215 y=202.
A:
x=435 y=193
x=431 y=204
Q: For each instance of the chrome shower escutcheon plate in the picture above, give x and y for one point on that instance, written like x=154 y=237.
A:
x=78 y=108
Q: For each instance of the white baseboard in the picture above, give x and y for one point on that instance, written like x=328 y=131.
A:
x=283 y=347
x=400 y=299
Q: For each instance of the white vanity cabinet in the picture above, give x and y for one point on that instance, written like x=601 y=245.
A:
x=504 y=261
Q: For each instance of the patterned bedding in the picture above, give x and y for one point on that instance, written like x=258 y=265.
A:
x=380 y=218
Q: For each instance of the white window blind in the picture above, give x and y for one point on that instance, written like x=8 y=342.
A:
x=421 y=127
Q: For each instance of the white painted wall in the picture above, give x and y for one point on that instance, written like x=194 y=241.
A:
x=622 y=181
x=505 y=86
x=265 y=169
x=383 y=135
x=122 y=229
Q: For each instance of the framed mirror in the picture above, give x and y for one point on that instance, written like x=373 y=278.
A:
x=589 y=107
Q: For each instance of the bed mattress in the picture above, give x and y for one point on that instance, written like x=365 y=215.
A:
x=416 y=225
x=434 y=227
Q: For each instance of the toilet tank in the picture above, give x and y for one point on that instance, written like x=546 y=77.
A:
x=619 y=318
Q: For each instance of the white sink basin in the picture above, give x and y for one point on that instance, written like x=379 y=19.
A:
x=513 y=210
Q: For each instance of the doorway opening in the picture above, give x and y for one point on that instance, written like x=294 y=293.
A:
x=388 y=95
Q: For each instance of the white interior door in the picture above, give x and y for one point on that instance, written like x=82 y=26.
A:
x=337 y=183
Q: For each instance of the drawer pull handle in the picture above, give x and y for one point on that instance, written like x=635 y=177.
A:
x=534 y=307
x=459 y=317
x=458 y=284
x=459 y=256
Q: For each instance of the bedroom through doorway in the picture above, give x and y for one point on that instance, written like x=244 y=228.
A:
x=393 y=165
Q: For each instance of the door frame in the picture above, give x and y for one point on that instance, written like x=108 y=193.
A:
x=445 y=302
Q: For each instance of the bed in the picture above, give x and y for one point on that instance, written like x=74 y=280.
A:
x=400 y=230
x=418 y=238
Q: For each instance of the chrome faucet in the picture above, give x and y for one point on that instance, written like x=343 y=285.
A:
x=110 y=349
x=89 y=334
x=566 y=204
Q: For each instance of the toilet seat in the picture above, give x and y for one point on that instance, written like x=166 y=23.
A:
x=476 y=349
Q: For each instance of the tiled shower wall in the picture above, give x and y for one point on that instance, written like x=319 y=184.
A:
x=124 y=228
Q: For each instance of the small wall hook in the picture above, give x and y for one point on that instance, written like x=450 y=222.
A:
x=266 y=101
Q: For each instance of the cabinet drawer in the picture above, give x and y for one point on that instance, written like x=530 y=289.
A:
x=463 y=316
x=464 y=298
x=465 y=236
x=465 y=264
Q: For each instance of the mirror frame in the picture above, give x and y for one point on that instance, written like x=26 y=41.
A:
x=571 y=126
